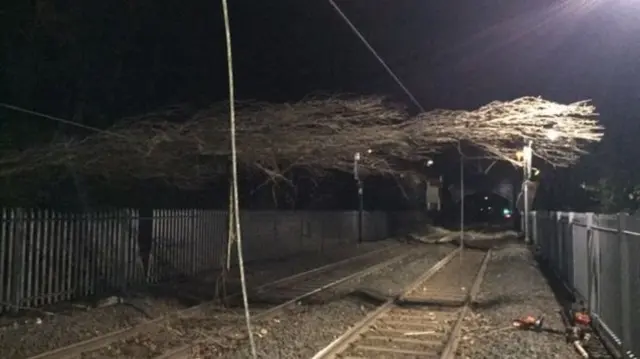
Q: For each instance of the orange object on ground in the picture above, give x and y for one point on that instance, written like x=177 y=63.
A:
x=582 y=318
x=528 y=322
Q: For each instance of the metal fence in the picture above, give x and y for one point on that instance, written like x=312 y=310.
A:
x=48 y=257
x=598 y=256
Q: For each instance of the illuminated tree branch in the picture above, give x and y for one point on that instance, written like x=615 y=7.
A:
x=189 y=147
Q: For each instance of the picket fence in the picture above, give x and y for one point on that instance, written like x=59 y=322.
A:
x=48 y=257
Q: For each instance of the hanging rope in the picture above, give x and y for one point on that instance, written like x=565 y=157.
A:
x=234 y=213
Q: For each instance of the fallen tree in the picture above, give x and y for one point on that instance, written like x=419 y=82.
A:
x=500 y=128
x=189 y=147
x=472 y=238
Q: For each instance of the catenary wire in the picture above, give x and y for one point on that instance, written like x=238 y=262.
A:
x=377 y=56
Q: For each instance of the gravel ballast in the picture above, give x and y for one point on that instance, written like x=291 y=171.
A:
x=514 y=287
x=28 y=336
x=214 y=328
x=302 y=331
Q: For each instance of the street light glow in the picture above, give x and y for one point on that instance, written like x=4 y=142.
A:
x=429 y=163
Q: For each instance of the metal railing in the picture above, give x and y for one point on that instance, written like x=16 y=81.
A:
x=598 y=256
x=48 y=257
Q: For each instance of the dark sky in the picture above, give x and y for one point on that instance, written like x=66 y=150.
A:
x=452 y=54
x=124 y=57
x=143 y=54
x=449 y=53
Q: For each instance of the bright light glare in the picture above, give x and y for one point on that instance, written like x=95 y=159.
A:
x=429 y=163
x=553 y=134
x=356 y=156
x=527 y=152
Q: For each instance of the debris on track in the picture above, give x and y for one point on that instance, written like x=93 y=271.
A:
x=513 y=288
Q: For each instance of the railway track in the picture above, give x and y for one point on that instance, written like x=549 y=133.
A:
x=275 y=295
x=285 y=295
x=425 y=322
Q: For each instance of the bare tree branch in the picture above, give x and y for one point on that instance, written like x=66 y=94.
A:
x=500 y=128
x=189 y=147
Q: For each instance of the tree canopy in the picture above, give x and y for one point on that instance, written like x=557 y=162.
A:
x=93 y=62
x=189 y=146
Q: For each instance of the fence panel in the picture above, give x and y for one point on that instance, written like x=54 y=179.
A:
x=210 y=236
x=579 y=235
x=258 y=229
x=596 y=256
x=605 y=232
x=288 y=232
x=630 y=267
x=374 y=226
x=47 y=256
x=348 y=228
x=561 y=258
x=568 y=250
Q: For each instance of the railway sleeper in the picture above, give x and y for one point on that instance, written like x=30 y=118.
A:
x=380 y=352
x=434 y=301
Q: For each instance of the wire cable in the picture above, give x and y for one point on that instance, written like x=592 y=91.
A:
x=234 y=170
x=234 y=160
x=62 y=120
x=375 y=53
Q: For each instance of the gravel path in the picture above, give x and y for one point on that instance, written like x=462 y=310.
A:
x=25 y=337
x=303 y=331
x=514 y=287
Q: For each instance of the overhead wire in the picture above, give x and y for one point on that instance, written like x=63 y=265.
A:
x=234 y=171
x=380 y=60
x=234 y=161
x=61 y=120
x=377 y=56
x=235 y=230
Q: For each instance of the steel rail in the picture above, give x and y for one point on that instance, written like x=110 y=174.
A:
x=399 y=327
x=184 y=352
x=77 y=349
x=454 y=338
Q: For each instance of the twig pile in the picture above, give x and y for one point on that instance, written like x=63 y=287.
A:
x=189 y=147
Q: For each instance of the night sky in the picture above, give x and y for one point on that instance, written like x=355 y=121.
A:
x=118 y=58
x=453 y=54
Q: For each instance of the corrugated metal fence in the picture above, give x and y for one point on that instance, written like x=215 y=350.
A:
x=599 y=257
x=47 y=257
